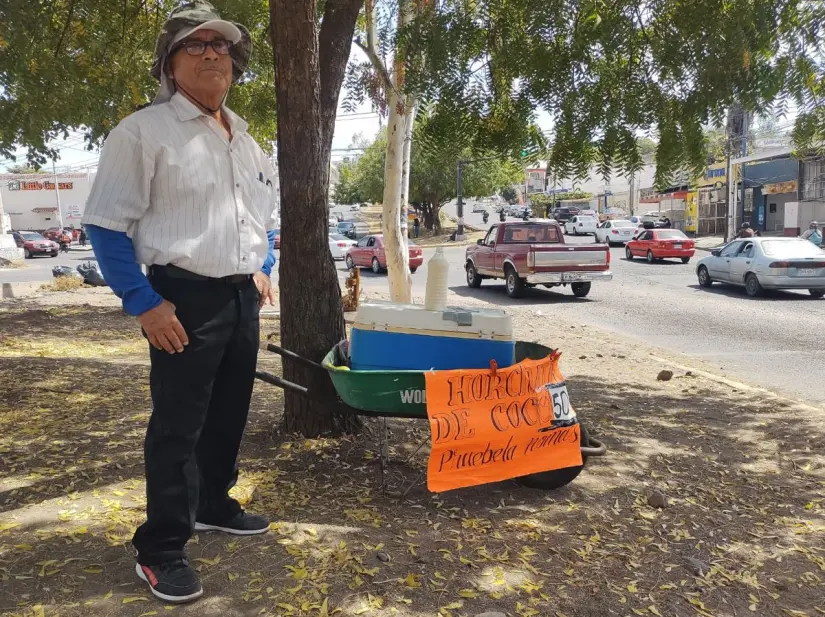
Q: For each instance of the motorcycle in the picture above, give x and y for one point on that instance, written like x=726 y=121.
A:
x=502 y=217
x=485 y=217
x=64 y=246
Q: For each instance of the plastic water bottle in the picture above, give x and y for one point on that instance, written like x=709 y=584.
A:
x=437 y=269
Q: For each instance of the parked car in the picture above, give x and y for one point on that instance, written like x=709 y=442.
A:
x=353 y=229
x=562 y=215
x=369 y=253
x=34 y=243
x=651 y=217
x=56 y=234
x=766 y=263
x=581 y=224
x=656 y=244
x=479 y=207
x=527 y=254
x=339 y=245
x=615 y=232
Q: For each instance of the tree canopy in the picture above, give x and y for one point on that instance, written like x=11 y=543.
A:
x=84 y=64
x=433 y=172
x=608 y=71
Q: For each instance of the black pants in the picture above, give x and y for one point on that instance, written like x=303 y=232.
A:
x=200 y=402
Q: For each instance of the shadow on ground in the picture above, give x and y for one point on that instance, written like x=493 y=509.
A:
x=742 y=528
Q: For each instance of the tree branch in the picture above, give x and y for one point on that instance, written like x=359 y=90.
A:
x=65 y=29
x=369 y=49
x=334 y=43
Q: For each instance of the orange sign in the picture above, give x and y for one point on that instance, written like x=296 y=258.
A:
x=489 y=426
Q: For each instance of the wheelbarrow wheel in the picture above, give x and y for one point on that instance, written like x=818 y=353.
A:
x=551 y=480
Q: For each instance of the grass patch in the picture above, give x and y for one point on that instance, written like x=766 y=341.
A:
x=63 y=283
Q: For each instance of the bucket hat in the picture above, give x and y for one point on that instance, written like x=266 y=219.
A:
x=189 y=17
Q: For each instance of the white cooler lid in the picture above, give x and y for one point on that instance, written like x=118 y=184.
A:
x=480 y=321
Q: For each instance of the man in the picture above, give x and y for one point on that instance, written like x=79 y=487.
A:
x=813 y=230
x=745 y=231
x=182 y=188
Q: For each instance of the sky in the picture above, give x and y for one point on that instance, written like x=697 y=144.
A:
x=347 y=124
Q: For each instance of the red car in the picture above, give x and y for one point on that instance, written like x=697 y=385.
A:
x=33 y=244
x=654 y=244
x=369 y=253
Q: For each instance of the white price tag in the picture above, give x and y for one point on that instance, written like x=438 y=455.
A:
x=562 y=409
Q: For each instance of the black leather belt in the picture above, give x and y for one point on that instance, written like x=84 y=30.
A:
x=173 y=272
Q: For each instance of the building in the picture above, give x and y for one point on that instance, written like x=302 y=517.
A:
x=710 y=194
x=30 y=200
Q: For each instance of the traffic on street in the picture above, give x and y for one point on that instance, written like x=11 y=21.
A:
x=771 y=340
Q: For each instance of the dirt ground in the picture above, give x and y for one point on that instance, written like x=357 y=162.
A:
x=742 y=532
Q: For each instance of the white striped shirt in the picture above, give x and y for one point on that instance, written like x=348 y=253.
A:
x=170 y=178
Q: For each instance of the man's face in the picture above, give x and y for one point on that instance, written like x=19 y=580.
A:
x=209 y=74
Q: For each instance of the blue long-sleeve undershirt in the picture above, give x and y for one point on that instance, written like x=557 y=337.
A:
x=270 y=255
x=116 y=257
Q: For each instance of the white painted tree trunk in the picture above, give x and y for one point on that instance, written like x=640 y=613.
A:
x=395 y=241
x=405 y=172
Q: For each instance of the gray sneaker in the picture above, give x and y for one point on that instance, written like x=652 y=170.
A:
x=243 y=524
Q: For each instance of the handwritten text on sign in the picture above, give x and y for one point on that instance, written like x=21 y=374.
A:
x=490 y=426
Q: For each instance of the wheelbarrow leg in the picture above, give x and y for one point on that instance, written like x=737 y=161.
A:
x=385 y=454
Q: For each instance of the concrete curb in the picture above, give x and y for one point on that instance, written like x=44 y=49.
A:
x=12 y=291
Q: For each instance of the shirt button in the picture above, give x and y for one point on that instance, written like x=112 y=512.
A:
x=243 y=221
x=243 y=258
x=237 y=185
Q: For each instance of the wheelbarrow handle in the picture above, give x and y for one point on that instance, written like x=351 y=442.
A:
x=596 y=448
x=285 y=353
x=281 y=383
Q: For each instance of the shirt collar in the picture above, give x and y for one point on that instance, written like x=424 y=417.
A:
x=187 y=110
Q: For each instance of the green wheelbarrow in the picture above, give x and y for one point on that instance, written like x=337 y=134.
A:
x=402 y=395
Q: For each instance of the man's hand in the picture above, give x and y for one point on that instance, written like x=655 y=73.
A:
x=163 y=329
x=264 y=285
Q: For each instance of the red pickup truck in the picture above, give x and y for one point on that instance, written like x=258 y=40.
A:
x=527 y=254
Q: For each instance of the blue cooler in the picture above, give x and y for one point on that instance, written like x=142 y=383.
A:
x=391 y=337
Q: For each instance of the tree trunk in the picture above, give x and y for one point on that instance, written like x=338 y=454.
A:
x=308 y=77
x=405 y=169
x=431 y=210
x=395 y=242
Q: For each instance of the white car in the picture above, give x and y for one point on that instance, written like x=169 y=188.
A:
x=339 y=245
x=651 y=217
x=581 y=224
x=758 y=264
x=616 y=232
x=479 y=207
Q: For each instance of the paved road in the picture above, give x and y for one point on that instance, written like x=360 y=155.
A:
x=40 y=268
x=776 y=341
x=474 y=219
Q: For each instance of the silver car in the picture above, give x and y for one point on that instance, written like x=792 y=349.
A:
x=758 y=264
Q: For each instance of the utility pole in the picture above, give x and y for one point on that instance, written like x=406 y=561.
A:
x=632 y=198
x=459 y=234
x=57 y=196
x=743 y=151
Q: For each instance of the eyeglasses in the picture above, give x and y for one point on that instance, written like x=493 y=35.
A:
x=198 y=48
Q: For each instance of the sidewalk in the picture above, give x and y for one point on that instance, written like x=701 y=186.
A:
x=708 y=243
